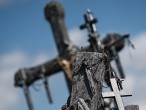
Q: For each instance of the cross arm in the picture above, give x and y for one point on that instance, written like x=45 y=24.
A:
x=34 y=73
x=112 y=95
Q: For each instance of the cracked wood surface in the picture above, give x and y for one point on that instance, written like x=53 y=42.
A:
x=88 y=77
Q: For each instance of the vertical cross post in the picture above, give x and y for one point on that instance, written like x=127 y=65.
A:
x=45 y=81
x=54 y=14
x=26 y=91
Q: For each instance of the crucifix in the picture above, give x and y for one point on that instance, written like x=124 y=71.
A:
x=54 y=14
x=116 y=94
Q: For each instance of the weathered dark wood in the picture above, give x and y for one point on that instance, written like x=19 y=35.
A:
x=88 y=77
x=54 y=14
x=34 y=73
x=26 y=91
x=132 y=107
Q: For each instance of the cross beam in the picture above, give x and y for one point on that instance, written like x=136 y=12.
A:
x=116 y=94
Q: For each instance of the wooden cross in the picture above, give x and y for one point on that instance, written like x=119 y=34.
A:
x=116 y=94
x=89 y=22
x=54 y=14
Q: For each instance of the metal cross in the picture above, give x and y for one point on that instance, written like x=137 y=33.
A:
x=116 y=94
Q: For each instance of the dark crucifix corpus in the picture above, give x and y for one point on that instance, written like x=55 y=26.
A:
x=54 y=14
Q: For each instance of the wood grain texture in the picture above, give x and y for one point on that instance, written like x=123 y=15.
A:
x=88 y=77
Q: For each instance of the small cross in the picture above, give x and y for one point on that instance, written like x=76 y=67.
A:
x=116 y=93
x=89 y=22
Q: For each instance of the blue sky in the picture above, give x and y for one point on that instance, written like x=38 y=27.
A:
x=26 y=40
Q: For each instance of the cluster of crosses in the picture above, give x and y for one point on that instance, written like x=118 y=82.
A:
x=69 y=61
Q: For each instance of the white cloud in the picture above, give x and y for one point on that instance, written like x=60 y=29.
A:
x=13 y=58
x=9 y=64
x=135 y=70
x=78 y=37
x=142 y=105
x=138 y=55
x=40 y=58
